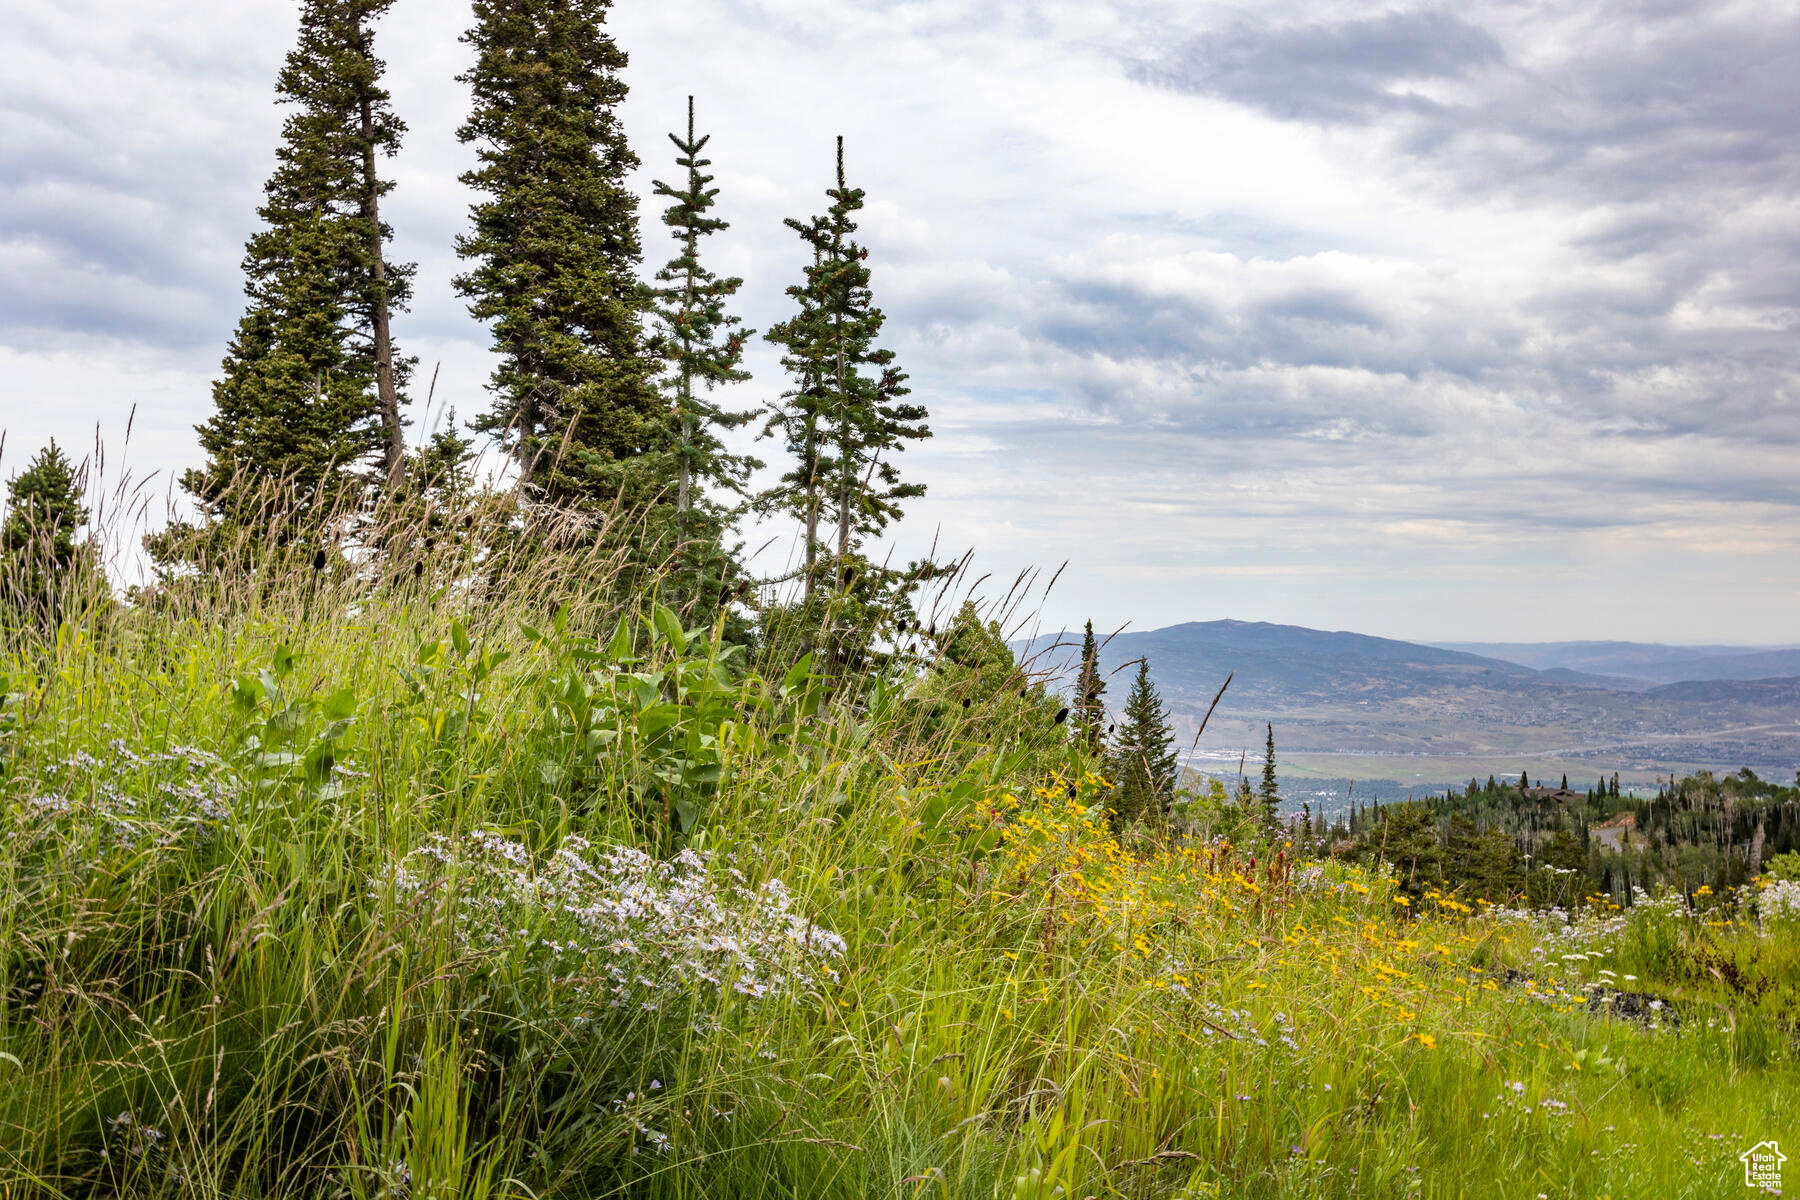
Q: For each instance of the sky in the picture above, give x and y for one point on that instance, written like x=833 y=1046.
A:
x=1465 y=322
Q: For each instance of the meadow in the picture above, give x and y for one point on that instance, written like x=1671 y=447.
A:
x=322 y=885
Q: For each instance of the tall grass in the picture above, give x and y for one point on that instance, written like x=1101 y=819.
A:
x=305 y=895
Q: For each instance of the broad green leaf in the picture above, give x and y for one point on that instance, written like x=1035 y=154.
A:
x=620 y=646
x=797 y=674
x=669 y=625
x=289 y=720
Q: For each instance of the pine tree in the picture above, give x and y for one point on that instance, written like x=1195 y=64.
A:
x=1143 y=755
x=1244 y=812
x=311 y=384
x=976 y=675
x=42 y=559
x=800 y=419
x=701 y=347
x=1270 y=793
x=846 y=418
x=1407 y=838
x=555 y=249
x=1090 y=690
x=699 y=339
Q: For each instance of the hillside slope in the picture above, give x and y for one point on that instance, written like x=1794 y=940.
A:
x=1647 y=661
x=1349 y=694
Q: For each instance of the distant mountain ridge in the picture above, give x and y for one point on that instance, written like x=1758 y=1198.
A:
x=1283 y=662
x=1649 y=662
x=1779 y=691
x=1337 y=693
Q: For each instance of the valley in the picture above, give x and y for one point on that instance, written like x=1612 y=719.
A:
x=1412 y=716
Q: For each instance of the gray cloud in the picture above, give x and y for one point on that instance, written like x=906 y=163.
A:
x=1341 y=71
x=1615 y=101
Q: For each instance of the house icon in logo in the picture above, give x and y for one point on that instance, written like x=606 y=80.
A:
x=1762 y=1165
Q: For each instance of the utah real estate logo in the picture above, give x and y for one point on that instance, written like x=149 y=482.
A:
x=1762 y=1165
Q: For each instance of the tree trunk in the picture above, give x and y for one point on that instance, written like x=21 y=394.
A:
x=812 y=501
x=681 y=491
x=387 y=398
x=685 y=397
x=846 y=465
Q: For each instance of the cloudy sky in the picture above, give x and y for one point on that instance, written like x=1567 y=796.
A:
x=1474 y=321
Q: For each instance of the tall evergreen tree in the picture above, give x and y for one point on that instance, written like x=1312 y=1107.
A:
x=800 y=419
x=845 y=419
x=1143 y=754
x=311 y=382
x=1090 y=692
x=555 y=248
x=701 y=347
x=699 y=340
x=1270 y=792
x=41 y=556
x=1406 y=838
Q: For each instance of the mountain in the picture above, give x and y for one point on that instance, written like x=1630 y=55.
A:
x=1358 y=706
x=1647 y=661
x=1283 y=663
x=1760 y=664
x=1734 y=691
x=1618 y=683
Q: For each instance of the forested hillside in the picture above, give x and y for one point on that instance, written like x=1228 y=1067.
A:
x=1498 y=841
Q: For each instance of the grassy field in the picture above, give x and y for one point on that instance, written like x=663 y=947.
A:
x=312 y=889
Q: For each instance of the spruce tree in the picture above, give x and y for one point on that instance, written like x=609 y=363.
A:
x=700 y=347
x=845 y=419
x=311 y=384
x=555 y=248
x=1090 y=690
x=41 y=556
x=800 y=419
x=1270 y=793
x=1244 y=809
x=1143 y=754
